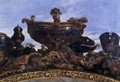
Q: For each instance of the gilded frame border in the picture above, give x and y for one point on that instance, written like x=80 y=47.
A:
x=58 y=73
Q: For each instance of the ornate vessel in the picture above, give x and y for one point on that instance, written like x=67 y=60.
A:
x=53 y=34
x=64 y=55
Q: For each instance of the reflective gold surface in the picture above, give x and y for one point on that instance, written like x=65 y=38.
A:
x=56 y=74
